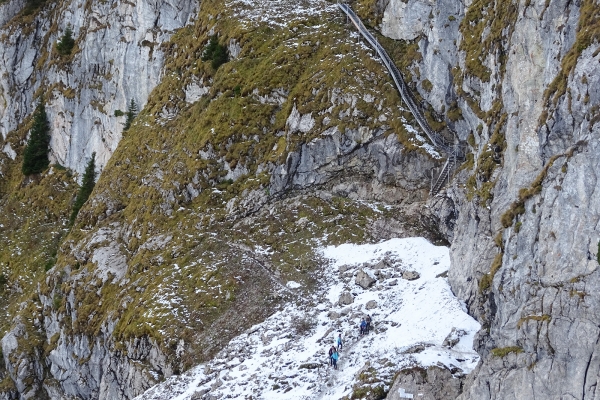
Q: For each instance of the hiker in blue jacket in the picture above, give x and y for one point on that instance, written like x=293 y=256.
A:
x=331 y=350
x=335 y=356
x=339 y=341
x=363 y=327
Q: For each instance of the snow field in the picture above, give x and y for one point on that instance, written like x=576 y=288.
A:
x=285 y=357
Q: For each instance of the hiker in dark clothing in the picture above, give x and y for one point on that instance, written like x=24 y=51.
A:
x=368 y=323
x=339 y=341
x=334 y=357
x=363 y=327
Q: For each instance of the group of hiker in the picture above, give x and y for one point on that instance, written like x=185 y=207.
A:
x=334 y=351
x=334 y=356
x=365 y=325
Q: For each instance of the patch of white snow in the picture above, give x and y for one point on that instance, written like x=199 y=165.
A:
x=285 y=357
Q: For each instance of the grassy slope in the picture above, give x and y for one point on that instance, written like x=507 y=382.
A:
x=208 y=274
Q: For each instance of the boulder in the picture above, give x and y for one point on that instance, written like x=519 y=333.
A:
x=333 y=315
x=371 y=304
x=345 y=299
x=199 y=394
x=364 y=279
x=309 y=366
x=410 y=275
x=343 y=268
x=434 y=382
x=453 y=337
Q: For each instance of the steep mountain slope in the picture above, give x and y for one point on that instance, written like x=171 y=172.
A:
x=232 y=175
x=215 y=197
x=286 y=356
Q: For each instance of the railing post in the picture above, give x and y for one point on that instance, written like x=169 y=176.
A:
x=431 y=185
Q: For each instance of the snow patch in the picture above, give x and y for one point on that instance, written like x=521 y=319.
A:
x=293 y=285
x=285 y=357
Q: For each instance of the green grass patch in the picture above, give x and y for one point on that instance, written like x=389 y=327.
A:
x=497 y=21
x=486 y=280
x=517 y=208
x=538 y=318
x=588 y=32
x=504 y=351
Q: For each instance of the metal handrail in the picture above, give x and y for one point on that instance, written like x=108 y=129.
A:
x=453 y=152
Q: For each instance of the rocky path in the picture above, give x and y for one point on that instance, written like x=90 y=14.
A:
x=399 y=283
x=350 y=356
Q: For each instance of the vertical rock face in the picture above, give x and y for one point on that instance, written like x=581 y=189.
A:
x=532 y=64
x=530 y=274
x=434 y=26
x=544 y=297
x=117 y=58
x=9 y=9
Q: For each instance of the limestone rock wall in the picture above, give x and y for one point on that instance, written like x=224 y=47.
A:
x=9 y=9
x=542 y=299
x=68 y=361
x=366 y=164
x=540 y=336
x=117 y=58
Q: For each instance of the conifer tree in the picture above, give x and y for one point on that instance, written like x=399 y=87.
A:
x=215 y=52
x=35 y=156
x=131 y=114
x=87 y=185
x=66 y=42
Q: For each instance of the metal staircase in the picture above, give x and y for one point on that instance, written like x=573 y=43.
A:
x=453 y=152
x=444 y=175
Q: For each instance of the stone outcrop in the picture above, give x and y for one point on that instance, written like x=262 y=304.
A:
x=352 y=156
x=432 y=383
x=434 y=25
x=346 y=298
x=410 y=275
x=371 y=304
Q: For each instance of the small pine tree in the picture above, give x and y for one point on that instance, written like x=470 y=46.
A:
x=215 y=52
x=131 y=114
x=220 y=57
x=210 y=48
x=87 y=185
x=66 y=42
x=35 y=156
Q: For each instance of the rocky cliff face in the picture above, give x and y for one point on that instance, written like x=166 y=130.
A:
x=525 y=245
x=118 y=58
